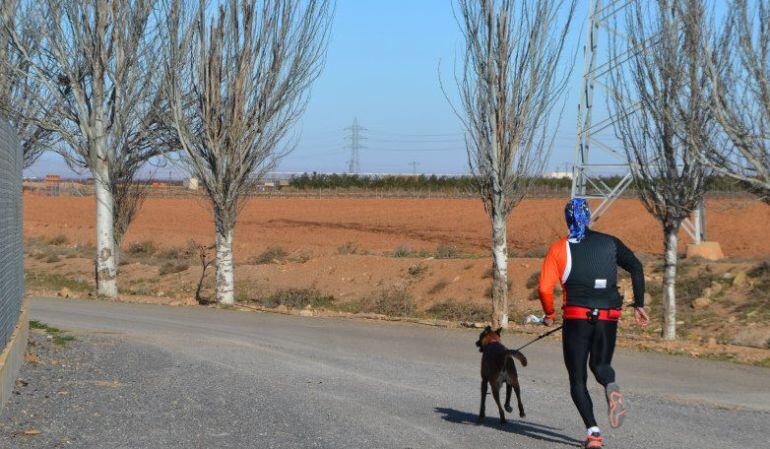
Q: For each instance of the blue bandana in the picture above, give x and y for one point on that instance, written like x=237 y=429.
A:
x=578 y=216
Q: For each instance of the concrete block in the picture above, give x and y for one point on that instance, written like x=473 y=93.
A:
x=706 y=250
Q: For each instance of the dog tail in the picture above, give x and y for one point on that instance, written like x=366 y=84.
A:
x=518 y=356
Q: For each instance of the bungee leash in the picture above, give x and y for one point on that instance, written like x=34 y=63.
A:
x=541 y=337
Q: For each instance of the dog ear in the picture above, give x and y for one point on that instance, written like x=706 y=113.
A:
x=499 y=331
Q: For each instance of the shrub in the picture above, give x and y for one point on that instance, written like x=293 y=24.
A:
x=761 y=270
x=439 y=286
x=53 y=281
x=171 y=268
x=448 y=252
x=270 y=255
x=300 y=258
x=761 y=275
x=53 y=258
x=297 y=298
x=536 y=253
x=174 y=252
x=533 y=280
x=348 y=248
x=417 y=270
x=402 y=251
x=58 y=240
x=454 y=310
x=145 y=248
x=391 y=301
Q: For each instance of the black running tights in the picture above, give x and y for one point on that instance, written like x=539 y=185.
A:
x=591 y=343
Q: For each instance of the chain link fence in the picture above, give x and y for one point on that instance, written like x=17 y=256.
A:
x=11 y=251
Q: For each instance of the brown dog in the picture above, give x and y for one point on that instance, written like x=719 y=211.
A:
x=497 y=366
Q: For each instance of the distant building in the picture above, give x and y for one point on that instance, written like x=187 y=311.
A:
x=192 y=183
x=52 y=178
x=559 y=175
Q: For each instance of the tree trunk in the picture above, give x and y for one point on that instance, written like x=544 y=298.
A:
x=106 y=283
x=499 y=270
x=669 y=283
x=225 y=285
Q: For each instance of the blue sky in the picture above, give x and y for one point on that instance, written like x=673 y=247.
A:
x=383 y=68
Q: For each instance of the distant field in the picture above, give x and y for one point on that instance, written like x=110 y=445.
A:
x=380 y=225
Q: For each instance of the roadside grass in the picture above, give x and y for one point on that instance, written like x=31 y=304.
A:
x=62 y=340
x=454 y=310
x=294 y=298
x=55 y=282
x=765 y=363
x=393 y=300
x=35 y=324
x=57 y=335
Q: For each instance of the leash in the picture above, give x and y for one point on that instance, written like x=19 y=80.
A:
x=552 y=331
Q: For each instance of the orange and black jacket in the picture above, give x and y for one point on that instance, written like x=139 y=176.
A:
x=587 y=272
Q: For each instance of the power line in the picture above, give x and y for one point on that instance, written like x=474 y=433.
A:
x=417 y=135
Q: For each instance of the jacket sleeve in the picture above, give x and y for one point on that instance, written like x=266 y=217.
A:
x=550 y=277
x=628 y=261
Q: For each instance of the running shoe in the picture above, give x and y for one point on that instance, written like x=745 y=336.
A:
x=593 y=441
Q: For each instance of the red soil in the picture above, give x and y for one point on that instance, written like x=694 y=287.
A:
x=320 y=226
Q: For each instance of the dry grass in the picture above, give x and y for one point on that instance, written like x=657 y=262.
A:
x=394 y=300
x=273 y=254
x=454 y=310
x=438 y=286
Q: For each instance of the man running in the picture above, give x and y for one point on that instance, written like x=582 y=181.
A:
x=585 y=264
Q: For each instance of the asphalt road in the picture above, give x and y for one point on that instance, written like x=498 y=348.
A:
x=209 y=378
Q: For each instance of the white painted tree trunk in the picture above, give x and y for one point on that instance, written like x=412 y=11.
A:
x=225 y=285
x=106 y=276
x=499 y=270
x=669 y=284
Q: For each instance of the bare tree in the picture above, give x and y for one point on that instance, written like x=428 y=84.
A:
x=741 y=96
x=511 y=81
x=666 y=81
x=23 y=100
x=100 y=59
x=128 y=195
x=239 y=75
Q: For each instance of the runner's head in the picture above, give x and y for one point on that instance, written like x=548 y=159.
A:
x=578 y=216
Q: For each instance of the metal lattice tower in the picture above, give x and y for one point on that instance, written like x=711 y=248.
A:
x=355 y=145
x=592 y=126
x=596 y=141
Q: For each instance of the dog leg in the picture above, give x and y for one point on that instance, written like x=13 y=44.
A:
x=508 y=407
x=517 y=389
x=482 y=412
x=496 y=395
